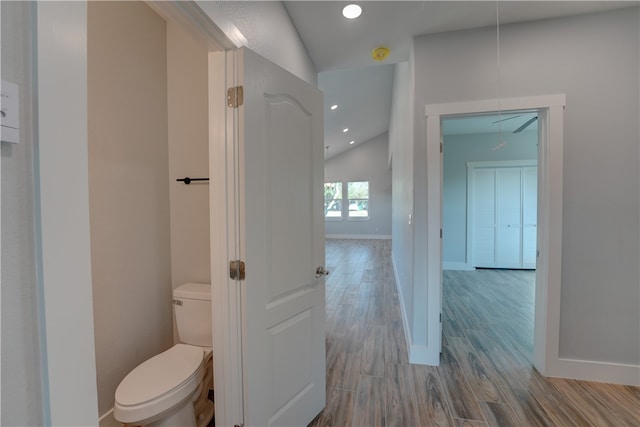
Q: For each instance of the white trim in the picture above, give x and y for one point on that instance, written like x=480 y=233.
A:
x=64 y=215
x=358 y=236
x=434 y=242
x=108 y=420
x=494 y=105
x=460 y=266
x=548 y=273
x=224 y=228
x=421 y=355
x=1 y=233
x=405 y=318
x=587 y=370
x=547 y=308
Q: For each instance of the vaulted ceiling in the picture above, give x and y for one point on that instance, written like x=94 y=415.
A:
x=361 y=87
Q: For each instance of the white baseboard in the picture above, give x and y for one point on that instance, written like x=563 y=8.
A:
x=420 y=355
x=107 y=420
x=461 y=266
x=604 y=372
x=358 y=236
x=403 y=310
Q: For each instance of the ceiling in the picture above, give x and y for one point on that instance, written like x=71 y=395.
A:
x=361 y=87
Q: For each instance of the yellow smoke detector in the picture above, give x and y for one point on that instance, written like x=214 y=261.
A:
x=380 y=53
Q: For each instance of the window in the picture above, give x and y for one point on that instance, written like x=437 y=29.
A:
x=333 y=200
x=358 y=196
x=356 y=200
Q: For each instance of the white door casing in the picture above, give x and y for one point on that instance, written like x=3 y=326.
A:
x=529 y=216
x=272 y=179
x=550 y=110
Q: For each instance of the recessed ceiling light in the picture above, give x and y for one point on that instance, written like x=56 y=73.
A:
x=345 y=130
x=334 y=106
x=351 y=11
x=351 y=142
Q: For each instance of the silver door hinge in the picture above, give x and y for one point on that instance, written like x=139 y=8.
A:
x=236 y=270
x=235 y=96
x=441 y=147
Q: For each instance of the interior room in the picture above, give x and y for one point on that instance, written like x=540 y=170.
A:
x=490 y=147
x=97 y=233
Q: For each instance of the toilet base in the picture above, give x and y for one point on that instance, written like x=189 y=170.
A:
x=183 y=417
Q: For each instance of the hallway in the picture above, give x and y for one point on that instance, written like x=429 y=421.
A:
x=485 y=377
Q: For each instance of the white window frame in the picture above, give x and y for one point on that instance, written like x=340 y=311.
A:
x=341 y=217
x=345 y=194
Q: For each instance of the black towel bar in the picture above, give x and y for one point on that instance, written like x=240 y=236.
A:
x=188 y=180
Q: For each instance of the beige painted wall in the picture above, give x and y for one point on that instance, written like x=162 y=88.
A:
x=129 y=195
x=187 y=68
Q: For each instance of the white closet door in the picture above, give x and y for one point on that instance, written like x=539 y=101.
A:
x=484 y=218
x=509 y=218
x=529 y=216
x=502 y=215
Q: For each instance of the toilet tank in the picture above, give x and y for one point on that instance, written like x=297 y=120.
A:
x=192 y=311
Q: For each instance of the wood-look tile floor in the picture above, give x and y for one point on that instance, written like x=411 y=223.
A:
x=485 y=377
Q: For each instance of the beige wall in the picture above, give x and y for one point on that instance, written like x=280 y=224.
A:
x=129 y=195
x=187 y=65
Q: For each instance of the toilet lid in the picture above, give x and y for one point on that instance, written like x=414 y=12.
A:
x=159 y=375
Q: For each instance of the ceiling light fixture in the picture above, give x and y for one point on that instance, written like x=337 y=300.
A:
x=345 y=130
x=351 y=142
x=351 y=11
x=334 y=106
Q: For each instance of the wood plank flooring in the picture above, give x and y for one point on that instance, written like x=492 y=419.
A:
x=485 y=377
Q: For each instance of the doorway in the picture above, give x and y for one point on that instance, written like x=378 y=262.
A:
x=549 y=230
x=489 y=198
x=489 y=191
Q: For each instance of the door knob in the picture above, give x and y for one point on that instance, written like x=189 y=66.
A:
x=320 y=271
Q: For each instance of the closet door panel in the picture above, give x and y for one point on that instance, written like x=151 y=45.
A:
x=509 y=217
x=484 y=218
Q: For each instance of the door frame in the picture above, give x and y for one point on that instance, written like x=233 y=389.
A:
x=469 y=199
x=550 y=110
x=224 y=212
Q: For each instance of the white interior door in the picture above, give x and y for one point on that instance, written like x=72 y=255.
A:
x=502 y=202
x=483 y=220
x=509 y=218
x=281 y=240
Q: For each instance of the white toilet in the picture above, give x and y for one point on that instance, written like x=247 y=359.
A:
x=171 y=388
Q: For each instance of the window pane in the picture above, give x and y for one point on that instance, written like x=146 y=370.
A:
x=358 y=196
x=358 y=190
x=358 y=208
x=333 y=199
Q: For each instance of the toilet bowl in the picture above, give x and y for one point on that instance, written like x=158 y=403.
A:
x=162 y=389
x=171 y=388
